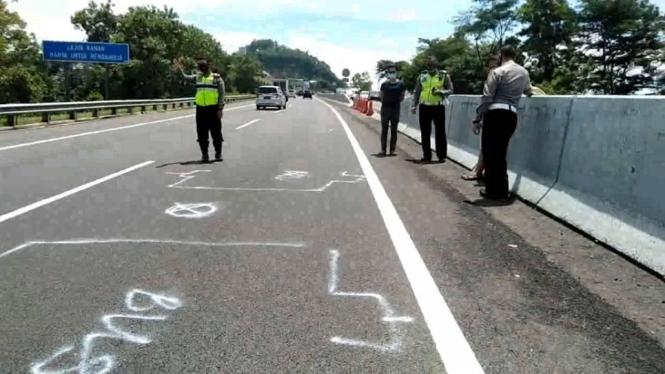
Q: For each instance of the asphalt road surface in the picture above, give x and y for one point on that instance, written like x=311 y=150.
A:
x=299 y=253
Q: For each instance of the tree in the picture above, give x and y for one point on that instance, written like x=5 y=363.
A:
x=549 y=27
x=245 y=71
x=488 y=23
x=361 y=82
x=22 y=78
x=97 y=21
x=622 y=40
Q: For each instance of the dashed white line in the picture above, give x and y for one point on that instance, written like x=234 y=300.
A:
x=106 y=130
x=454 y=350
x=41 y=203
x=247 y=124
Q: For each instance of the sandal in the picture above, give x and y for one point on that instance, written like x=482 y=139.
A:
x=471 y=177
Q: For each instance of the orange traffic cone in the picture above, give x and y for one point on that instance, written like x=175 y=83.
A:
x=370 y=110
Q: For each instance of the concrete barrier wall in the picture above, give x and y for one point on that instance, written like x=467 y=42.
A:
x=595 y=162
x=337 y=97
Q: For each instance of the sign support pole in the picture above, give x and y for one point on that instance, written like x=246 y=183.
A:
x=106 y=82
x=67 y=92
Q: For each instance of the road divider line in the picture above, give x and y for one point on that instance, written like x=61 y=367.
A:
x=454 y=350
x=247 y=124
x=106 y=130
x=41 y=203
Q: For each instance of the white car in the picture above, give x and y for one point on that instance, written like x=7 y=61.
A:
x=270 y=96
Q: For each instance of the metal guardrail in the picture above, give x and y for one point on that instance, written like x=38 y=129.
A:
x=14 y=111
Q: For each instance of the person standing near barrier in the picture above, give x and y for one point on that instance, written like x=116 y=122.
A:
x=209 y=107
x=497 y=117
x=429 y=96
x=391 y=95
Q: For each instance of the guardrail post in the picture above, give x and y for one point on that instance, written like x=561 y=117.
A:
x=182 y=105
x=46 y=117
x=154 y=107
x=114 y=111
x=12 y=120
x=72 y=115
x=165 y=106
x=130 y=110
x=143 y=109
x=173 y=105
x=95 y=113
x=189 y=104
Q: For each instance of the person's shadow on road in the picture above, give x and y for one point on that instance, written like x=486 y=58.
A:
x=185 y=163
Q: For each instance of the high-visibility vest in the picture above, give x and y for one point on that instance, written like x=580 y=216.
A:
x=206 y=90
x=427 y=82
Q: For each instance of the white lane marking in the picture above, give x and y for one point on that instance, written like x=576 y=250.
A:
x=187 y=176
x=151 y=241
x=454 y=350
x=247 y=124
x=41 y=203
x=389 y=317
x=196 y=210
x=105 y=363
x=106 y=130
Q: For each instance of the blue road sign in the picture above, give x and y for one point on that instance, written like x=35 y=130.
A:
x=101 y=53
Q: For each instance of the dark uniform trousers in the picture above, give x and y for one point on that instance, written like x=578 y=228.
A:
x=498 y=127
x=426 y=115
x=208 y=122
x=389 y=118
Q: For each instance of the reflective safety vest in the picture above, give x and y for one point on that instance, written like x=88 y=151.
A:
x=207 y=90
x=427 y=82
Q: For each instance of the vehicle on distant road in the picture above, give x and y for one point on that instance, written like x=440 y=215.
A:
x=307 y=94
x=270 y=96
x=373 y=95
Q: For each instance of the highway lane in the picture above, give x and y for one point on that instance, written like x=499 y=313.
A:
x=275 y=260
x=50 y=160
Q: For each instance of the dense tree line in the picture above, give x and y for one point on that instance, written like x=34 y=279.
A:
x=612 y=47
x=156 y=38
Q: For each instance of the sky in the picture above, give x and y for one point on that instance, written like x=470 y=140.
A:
x=345 y=34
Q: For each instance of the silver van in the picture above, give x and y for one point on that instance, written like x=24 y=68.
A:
x=270 y=96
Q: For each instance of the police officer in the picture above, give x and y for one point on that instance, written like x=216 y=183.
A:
x=497 y=117
x=432 y=88
x=209 y=107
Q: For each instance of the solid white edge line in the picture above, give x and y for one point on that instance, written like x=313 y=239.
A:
x=41 y=203
x=248 y=123
x=106 y=130
x=454 y=350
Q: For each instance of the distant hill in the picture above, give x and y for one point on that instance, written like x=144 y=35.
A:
x=284 y=62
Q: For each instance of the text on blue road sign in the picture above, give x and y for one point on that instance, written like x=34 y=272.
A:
x=105 y=53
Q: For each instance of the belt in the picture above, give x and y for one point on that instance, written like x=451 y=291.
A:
x=503 y=106
x=432 y=104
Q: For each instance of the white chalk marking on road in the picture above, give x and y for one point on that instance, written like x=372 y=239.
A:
x=248 y=123
x=106 y=130
x=152 y=241
x=396 y=333
x=454 y=350
x=105 y=363
x=354 y=179
x=41 y=203
x=292 y=174
x=195 y=210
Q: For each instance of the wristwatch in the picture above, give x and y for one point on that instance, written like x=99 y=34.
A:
x=475 y=122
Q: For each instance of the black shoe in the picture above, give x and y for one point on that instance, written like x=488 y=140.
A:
x=392 y=153
x=218 y=156
x=381 y=154
x=442 y=160
x=425 y=161
x=205 y=159
x=484 y=194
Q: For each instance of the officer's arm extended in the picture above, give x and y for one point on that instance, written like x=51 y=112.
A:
x=489 y=91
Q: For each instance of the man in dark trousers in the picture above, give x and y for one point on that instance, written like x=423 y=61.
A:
x=429 y=96
x=209 y=107
x=497 y=117
x=391 y=96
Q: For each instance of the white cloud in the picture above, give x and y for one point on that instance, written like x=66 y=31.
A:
x=232 y=40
